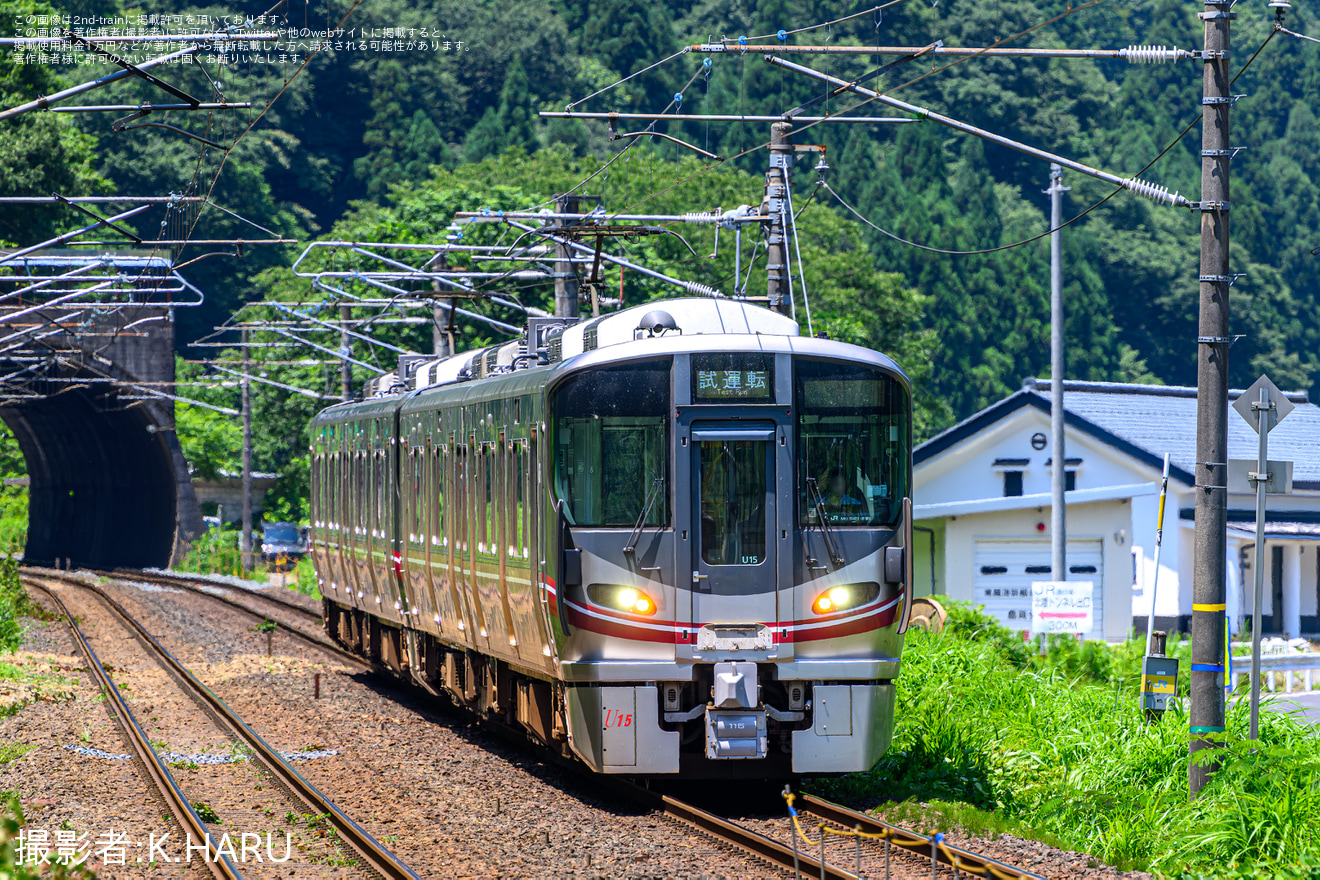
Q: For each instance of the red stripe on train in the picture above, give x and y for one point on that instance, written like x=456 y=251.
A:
x=681 y=634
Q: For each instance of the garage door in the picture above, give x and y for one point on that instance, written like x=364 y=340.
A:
x=1003 y=572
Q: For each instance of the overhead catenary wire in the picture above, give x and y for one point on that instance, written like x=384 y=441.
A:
x=1066 y=223
x=1071 y=10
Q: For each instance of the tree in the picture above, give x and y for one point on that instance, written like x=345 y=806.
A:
x=513 y=124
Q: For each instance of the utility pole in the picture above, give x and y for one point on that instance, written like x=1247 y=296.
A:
x=1058 y=512
x=441 y=344
x=566 y=282
x=245 y=542
x=1213 y=340
x=345 y=350
x=778 y=279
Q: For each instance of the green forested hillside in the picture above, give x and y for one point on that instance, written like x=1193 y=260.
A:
x=389 y=141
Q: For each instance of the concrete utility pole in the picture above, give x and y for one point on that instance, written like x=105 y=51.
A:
x=245 y=542
x=778 y=280
x=345 y=350
x=566 y=282
x=441 y=344
x=1058 y=511
x=1213 y=340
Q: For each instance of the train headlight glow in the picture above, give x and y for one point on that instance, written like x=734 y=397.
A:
x=845 y=597
x=621 y=598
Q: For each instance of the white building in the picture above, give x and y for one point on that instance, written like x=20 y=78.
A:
x=982 y=508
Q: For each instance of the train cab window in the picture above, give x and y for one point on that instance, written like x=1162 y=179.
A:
x=611 y=430
x=733 y=495
x=853 y=429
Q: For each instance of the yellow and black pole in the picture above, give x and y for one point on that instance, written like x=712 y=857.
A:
x=1159 y=674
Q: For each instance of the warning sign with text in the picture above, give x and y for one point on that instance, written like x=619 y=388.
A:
x=1061 y=606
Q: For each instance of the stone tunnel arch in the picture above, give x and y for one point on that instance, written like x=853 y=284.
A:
x=109 y=485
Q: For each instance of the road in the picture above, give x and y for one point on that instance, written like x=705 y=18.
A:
x=1305 y=703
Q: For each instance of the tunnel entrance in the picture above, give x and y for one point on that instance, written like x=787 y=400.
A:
x=87 y=387
x=103 y=472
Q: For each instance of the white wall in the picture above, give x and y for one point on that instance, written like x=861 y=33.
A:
x=1098 y=520
x=966 y=471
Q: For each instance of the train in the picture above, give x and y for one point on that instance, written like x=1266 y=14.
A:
x=670 y=541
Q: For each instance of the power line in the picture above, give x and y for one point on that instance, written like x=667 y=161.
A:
x=1066 y=223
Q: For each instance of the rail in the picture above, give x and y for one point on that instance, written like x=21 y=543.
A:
x=374 y=854
x=162 y=779
x=191 y=585
x=863 y=826
x=802 y=862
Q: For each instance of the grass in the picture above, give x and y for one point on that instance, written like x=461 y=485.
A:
x=998 y=740
x=216 y=551
x=305 y=578
x=13 y=751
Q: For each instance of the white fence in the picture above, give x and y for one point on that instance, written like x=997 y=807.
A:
x=1289 y=665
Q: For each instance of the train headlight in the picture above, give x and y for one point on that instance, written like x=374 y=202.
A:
x=621 y=598
x=845 y=597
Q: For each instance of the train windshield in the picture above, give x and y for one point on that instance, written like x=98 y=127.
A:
x=611 y=442
x=852 y=444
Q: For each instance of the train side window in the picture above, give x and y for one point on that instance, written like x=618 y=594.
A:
x=437 y=498
x=520 y=491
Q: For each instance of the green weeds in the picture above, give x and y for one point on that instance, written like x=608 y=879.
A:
x=999 y=740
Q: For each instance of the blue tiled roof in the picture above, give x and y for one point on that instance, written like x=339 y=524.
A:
x=1154 y=419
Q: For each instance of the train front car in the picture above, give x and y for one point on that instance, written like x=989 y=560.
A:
x=729 y=527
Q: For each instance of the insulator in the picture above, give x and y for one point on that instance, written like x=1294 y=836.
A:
x=698 y=289
x=1151 y=54
x=701 y=216
x=1152 y=191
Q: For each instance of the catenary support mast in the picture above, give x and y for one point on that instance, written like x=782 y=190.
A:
x=1208 y=590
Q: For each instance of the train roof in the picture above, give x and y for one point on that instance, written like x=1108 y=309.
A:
x=562 y=346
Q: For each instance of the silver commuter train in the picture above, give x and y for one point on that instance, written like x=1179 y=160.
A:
x=672 y=540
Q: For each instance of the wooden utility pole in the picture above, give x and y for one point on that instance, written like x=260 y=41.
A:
x=778 y=279
x=1213 y=340
x=245 y=542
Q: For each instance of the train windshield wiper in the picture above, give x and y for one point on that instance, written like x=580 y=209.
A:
x=817 y=501
x=657 y=486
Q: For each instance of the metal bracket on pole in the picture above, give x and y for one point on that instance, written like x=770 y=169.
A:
x=1219 y=340
x=1228 y=279
x=104 y=222
x=132 y=68
x=1230 y=153
x=1209 y=206
x=1230 y=100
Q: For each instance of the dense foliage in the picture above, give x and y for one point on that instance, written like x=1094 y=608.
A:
x=1057 y=747
x=392 y=143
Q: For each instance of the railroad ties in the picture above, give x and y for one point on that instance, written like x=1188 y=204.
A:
x=371 y=854
x=862 y=845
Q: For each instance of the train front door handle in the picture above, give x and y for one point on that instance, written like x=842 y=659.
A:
x=698 y=577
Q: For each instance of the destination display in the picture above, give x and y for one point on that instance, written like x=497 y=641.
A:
x=724 y=378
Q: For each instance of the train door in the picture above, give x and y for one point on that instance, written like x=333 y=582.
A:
x=732 y=513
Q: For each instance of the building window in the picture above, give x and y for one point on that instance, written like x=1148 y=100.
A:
x=1012 y=483
x=1069 y=481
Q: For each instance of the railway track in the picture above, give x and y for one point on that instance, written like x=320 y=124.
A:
x=372 y=855
x=226 y=595
x=879 y=839
x=889 y=850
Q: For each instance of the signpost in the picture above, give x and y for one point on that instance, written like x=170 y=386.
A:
x=1263 y=406
x=1159 y=674
x=1061 y=607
